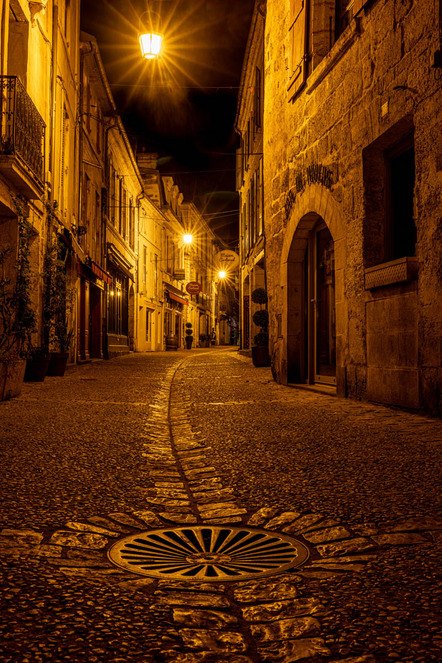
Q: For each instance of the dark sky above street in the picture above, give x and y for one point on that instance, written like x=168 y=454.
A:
x=183 y=106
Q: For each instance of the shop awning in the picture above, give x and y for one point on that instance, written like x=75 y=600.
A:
x=176 y=298
x=119 y=261
x=98 y=271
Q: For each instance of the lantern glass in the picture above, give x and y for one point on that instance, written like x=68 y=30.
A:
x=150 y=44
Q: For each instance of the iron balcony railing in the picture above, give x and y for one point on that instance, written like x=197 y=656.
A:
x=22 y=127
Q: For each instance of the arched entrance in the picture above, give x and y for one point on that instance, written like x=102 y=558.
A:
x=311 y=317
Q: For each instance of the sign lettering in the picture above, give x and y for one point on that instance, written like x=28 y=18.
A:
x=314 y=174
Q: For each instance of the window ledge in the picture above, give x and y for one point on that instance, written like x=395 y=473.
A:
x=389 y=273
x=337 y=52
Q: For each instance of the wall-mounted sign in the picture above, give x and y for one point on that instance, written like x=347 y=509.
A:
x=193 y=288
x=314 y=174
x=179 y=274
x=228 y=260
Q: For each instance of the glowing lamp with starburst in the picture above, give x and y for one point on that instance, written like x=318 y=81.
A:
x=150 y=36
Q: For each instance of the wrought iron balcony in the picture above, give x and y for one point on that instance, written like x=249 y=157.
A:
x=22 y=132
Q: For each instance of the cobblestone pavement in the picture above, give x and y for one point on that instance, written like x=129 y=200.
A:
x=182 y=507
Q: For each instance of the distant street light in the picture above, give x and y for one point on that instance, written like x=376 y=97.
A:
x=187 y=239
x=150 y=37
x=222 y=274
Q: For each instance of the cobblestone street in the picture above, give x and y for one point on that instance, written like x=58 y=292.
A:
x=182 y=507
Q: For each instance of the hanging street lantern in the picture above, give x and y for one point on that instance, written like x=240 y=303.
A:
x=150 y=36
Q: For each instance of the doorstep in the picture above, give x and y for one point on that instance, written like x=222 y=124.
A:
x=328 y=389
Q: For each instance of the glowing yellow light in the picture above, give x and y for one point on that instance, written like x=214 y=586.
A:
x=222 y=274
x=150 y=44
x=187 y=239
x=112 y=293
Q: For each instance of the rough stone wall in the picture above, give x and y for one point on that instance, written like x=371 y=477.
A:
x=377 y=73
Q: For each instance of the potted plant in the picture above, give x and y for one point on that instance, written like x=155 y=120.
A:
x=260 y=351
x=189 y=337
x=57 y=310
x=38 y=358
x=17 y=317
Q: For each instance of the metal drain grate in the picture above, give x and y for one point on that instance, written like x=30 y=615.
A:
x=208 y=554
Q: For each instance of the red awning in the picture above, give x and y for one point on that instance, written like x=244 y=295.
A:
x=176 y=298
x=98 y=271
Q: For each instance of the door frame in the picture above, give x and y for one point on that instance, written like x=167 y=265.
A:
x=312 y=308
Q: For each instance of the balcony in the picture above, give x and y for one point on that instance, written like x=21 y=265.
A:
x=22 y=131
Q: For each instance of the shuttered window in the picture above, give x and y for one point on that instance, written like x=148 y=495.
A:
x=298 y=46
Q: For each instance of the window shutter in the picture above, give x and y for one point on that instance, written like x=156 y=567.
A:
x=298 y=46
x=239 y=163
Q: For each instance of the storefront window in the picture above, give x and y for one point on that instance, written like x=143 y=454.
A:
x=118 y=307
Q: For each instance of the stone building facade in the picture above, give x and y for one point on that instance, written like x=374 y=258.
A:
x=163 y=229
x=249 y=175
x=110 y=190
x=39 y=97
x=353 y=175
x=111 y=237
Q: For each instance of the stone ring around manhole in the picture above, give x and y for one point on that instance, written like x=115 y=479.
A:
x=208 y=553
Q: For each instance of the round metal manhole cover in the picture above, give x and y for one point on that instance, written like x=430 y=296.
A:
x=208 y=554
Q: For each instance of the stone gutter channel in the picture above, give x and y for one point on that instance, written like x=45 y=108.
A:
x=275 y=618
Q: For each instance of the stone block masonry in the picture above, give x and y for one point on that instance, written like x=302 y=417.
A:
x=331 y=156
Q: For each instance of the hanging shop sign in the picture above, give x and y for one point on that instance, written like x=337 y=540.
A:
x=193 y=288
x=228 y=260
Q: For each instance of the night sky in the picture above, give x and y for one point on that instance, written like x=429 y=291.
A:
x=182 y=107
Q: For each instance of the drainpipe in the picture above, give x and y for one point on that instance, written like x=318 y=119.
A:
x=4 y=37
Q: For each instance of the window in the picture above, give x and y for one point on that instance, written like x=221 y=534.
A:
x=88 y=107
x=400 y=226
x=298 y=45
x=97 y=246
x=67 y=12
x=144 y=266
x=239 y=166
x=86 y=198
x=343 y=15
x=389 y=177
x=257 y=98
x=123 y=211
x=131 y=224
x=64 y=160
x=147 y=325
x=169 y=255
x=155 y=275
x=259 y=205
x=315 y=25
x=252 y=194
x=118 y=307
x=99 y=123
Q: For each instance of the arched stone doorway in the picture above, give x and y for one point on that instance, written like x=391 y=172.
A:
x=311 y=312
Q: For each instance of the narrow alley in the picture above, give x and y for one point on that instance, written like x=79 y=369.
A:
x=182 y=507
